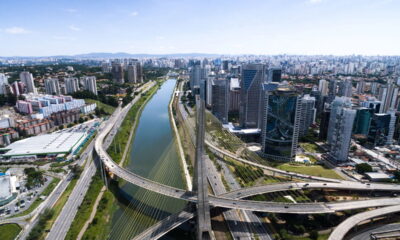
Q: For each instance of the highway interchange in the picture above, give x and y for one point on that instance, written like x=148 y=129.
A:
x=226 y=200
x=298 y=208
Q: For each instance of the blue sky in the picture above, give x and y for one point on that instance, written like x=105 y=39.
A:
x=340 y=27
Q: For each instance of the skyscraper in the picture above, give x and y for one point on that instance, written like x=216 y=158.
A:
x=253 y=75
x=117 y=71
x=220 y=99
x=132 y=73
x=379 y=130
x=323 y=87
x=52 y=86
x=89 y=84
x=3 y=83
x=280 y=124
x=274 y=74
x=234 y=95
x=332 y=90
x=308 y=114
x=27 y=79
x=362 y=121
x=340 y=128
x=388 y=97
x=345 y=88
x=71 y=85
x=195 y=76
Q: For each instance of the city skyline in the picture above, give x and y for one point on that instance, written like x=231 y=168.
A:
x=309 y=27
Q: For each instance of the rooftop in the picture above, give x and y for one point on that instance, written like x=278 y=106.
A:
x=60 y=142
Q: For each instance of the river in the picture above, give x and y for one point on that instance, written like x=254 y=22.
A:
x=153 y=155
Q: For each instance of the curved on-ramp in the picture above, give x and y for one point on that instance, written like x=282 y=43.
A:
x=342 y=229
x=226 y=202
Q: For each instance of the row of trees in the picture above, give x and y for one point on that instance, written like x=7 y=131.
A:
x=110 y=100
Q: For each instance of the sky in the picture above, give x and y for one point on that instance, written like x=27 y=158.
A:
x=67 y=27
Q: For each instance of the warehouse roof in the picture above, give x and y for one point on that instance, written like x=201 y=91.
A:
x=60 y=142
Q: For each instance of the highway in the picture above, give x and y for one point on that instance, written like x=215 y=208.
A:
x=237 y=226
x=299 y=208
x=64 y=220
x=164 y=226
x=377 y=230
x=203 y=206
x=342 y=229
x=343 y=185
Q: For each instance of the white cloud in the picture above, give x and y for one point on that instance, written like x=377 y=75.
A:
x=160 y=37
x=134 y=14
x=16 y=30
x=74 y=28
x=71 y=10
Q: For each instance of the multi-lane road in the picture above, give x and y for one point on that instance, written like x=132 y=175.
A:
x=63 y=222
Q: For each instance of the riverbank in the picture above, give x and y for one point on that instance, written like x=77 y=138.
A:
x=184 y=165
x=153 y=155
x=100 y=204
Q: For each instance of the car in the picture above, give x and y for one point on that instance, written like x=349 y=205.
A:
x=286 y=206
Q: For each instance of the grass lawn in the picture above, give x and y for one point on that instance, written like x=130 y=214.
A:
x=9 y=231
x=85 y=208
x=107 y=108
x=314 y=170
x=310 y=147
x=100 y=226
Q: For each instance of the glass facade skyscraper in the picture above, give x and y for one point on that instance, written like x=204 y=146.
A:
x=253 y=75
x=280 y=126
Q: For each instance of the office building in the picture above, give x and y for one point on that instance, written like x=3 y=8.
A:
x=253 y=76
x=340 y=128
x=27 y=79
x=132 y=73
x=332 y=91
x=3 y=83
x=372 y=103
x=274 y=74
x=362 y=121
x=196 y=73
x=345 y=88
x=71 y=85
x=234 y=95
x=89 y=84
x=280 y=122
x=308 y=114
x=379 y=129
x=117 y=71
x=52 y=86
x=208 y=92
x=388 y=97
x=360 y=87
x=323 y=87
x=324 y=124
x=220 y=99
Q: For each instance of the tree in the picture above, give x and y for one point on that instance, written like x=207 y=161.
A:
x=314 y=235
x=363 y=168
x=81 y=120
x=61 y=127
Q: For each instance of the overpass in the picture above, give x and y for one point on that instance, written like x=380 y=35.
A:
x=227 y=202
x=232 y=200
x=342 y=229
